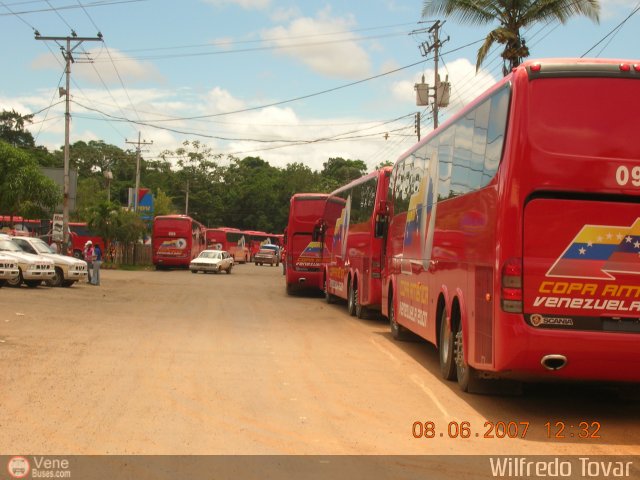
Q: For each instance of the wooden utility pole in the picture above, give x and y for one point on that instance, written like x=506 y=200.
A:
x=138 y=144
x=67 y=53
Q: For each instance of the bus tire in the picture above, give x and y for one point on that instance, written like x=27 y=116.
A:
x=468 y=380
x=194 y=271
x=2 y=283
x=446 y=349
x=398 y=332
x=33 y=283
x=352 y=299
x=290 y=289
x=328 y=297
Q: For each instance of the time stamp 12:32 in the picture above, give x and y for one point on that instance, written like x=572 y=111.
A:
x=556 y=430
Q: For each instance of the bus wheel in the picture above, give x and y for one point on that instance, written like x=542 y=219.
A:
x=33 y=283
x=328 y=297
x=468 y=380
x=290 y=289
x=398 y=332
x=361 y=311
x=446 y=349
x=352 y=298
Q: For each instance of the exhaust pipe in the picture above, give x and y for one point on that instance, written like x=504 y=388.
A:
x=553 y=362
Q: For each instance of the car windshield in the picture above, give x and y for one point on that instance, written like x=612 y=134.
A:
x=40 y=246
x=266 y=251
x=214 y=255
x=9 y=246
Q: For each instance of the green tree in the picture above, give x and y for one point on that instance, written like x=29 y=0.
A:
x=513 y=16
x=338 y=171
x=12 y=129
x=24 y=190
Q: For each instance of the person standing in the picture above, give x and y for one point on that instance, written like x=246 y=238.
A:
x=87 y=253
x=97 y=261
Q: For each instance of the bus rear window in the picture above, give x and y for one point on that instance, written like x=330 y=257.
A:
x=585 y=116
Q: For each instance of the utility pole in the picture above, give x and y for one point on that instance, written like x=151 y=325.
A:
x=138 y=144
x=67 y=53
x=417 y=125
x=186 y=201
x=441 y=89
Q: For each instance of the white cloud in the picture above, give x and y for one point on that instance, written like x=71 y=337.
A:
x=614 y=8
x=324 y=44
x=245 y=4
x=284 y=14
x=106 y=66
x=276 y=126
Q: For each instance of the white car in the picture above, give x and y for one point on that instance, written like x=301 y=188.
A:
x=212 y=261
x=8 y=269
x=68 y=270
x=32 y=269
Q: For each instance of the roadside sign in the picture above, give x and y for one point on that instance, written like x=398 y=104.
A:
x=57 y=227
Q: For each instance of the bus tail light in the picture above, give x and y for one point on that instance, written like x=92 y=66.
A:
x=511 y=286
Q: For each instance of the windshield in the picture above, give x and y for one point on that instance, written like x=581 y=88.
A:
x=9 y=246
x=40 y=246
x=214 y=255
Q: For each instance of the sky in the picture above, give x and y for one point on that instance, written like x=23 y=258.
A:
x=284 y=80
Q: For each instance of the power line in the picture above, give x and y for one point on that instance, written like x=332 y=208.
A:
x=633 y=12
x=71 y=7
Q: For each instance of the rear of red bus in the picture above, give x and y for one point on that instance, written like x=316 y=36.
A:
x=568 y=227
x=303 y=248
x=174 y=243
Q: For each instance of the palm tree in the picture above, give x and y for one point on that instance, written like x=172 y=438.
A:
x=513 y=15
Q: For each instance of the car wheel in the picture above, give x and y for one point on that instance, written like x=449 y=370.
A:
x=229 y=270
x=446 y=349
x=16 y=281
x=58 y=278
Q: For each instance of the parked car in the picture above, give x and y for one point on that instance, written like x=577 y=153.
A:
x=68 y=270
x=32 y=269
x=8 y=269
x=212 y=261
x=269 y=255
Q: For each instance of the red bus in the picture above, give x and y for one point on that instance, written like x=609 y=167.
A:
x=303 y=245
x=514 y=234
x=232 y=240
x=176 y=240
x=79 y=234
x=255 y=239
x=354 y=218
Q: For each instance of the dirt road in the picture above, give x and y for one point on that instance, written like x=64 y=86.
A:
x=174 y=363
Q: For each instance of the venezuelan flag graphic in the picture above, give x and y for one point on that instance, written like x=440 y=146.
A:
x=312 y=255
x=598 y=250
x=626 y=258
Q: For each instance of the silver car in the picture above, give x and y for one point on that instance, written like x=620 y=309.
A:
x=212 y=261
x=32 y=269
x=8 y=269
x=68 y=270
